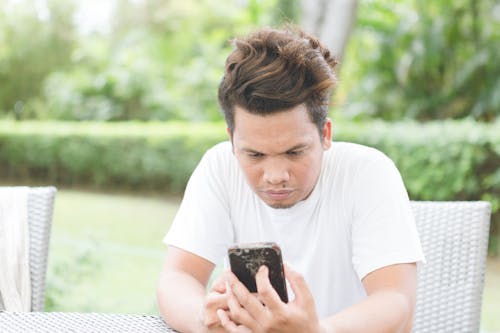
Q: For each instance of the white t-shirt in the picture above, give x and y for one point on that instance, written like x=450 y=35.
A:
x=356 y=220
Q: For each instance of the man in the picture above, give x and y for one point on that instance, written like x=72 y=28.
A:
x=339 y=211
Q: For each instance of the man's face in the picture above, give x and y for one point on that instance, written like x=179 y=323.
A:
x=280 y=154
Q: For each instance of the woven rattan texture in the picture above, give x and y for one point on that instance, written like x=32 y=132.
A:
x=454 y=237
x=56 y=322
x=40 y=207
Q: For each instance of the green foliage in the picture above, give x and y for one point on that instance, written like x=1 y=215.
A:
x=162 y=60
x=124 y=155
x=30 y=50
x=287 y=11
x=424 y=60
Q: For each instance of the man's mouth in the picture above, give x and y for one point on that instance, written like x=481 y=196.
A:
x=278 y=194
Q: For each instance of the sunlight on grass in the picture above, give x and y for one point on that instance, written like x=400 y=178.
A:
x=490 y=316
x=106 y=251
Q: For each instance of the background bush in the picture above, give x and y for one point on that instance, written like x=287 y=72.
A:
x=105 y=155
x=424 y=60
x=449 y=160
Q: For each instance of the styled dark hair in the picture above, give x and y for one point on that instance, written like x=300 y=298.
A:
x=274 y=70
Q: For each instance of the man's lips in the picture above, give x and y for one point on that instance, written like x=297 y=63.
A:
x=278 y=194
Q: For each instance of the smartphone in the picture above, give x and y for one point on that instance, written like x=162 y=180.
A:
x=246 y=259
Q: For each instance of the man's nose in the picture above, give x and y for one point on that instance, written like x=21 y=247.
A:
x=276 y=172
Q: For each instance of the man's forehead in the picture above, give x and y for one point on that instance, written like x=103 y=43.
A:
x=270 y=144
x=278 y=132
x=295 y=117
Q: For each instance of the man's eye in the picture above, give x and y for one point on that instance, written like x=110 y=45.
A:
x=294 y=153
x=255 y=155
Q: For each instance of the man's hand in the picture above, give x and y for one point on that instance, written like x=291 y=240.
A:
x=216 y=299
x=265 y=312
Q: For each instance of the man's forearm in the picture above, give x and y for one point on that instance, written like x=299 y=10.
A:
x=180 y=300
x=383 y=311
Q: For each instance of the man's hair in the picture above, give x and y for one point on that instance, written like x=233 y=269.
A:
x=274 y=70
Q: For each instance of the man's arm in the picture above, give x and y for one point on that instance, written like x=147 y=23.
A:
x=182 y=299
x=389 y=306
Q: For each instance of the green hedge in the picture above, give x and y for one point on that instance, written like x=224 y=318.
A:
x=449 y=160
x=141 y=156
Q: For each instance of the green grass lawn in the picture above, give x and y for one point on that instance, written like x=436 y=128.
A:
x=106 y=251
x=490 y=316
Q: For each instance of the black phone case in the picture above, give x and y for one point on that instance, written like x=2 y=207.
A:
x=245 y=260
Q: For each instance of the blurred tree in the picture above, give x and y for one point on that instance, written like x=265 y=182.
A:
x=330 y=20
x=162 y=60
x=287 y=11
x=33 y=42
x=431 y=60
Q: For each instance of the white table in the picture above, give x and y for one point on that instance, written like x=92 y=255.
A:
x=54 y=322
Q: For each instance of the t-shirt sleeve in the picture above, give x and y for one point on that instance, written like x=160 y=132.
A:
x=383 y=230
x=202 y=224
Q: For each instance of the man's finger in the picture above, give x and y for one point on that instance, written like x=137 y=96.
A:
x=239 y=314
x=229 y=325
x=213 y=302
x=245 y=298
x=246 y=307
x=226 y=322
x=216 y=300
x=219 y=285
x=267 y=293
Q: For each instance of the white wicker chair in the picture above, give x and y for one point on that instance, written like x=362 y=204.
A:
x=454 y=238
x=40 y=207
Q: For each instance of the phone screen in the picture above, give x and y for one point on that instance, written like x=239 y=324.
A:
x=246 y=259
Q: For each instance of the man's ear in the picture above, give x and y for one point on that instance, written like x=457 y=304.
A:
x=327 y=134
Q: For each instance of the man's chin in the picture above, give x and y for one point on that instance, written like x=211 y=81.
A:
x=280 y=205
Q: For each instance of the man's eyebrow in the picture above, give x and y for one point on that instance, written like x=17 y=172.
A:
x=250 y=150
x=297 y=147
